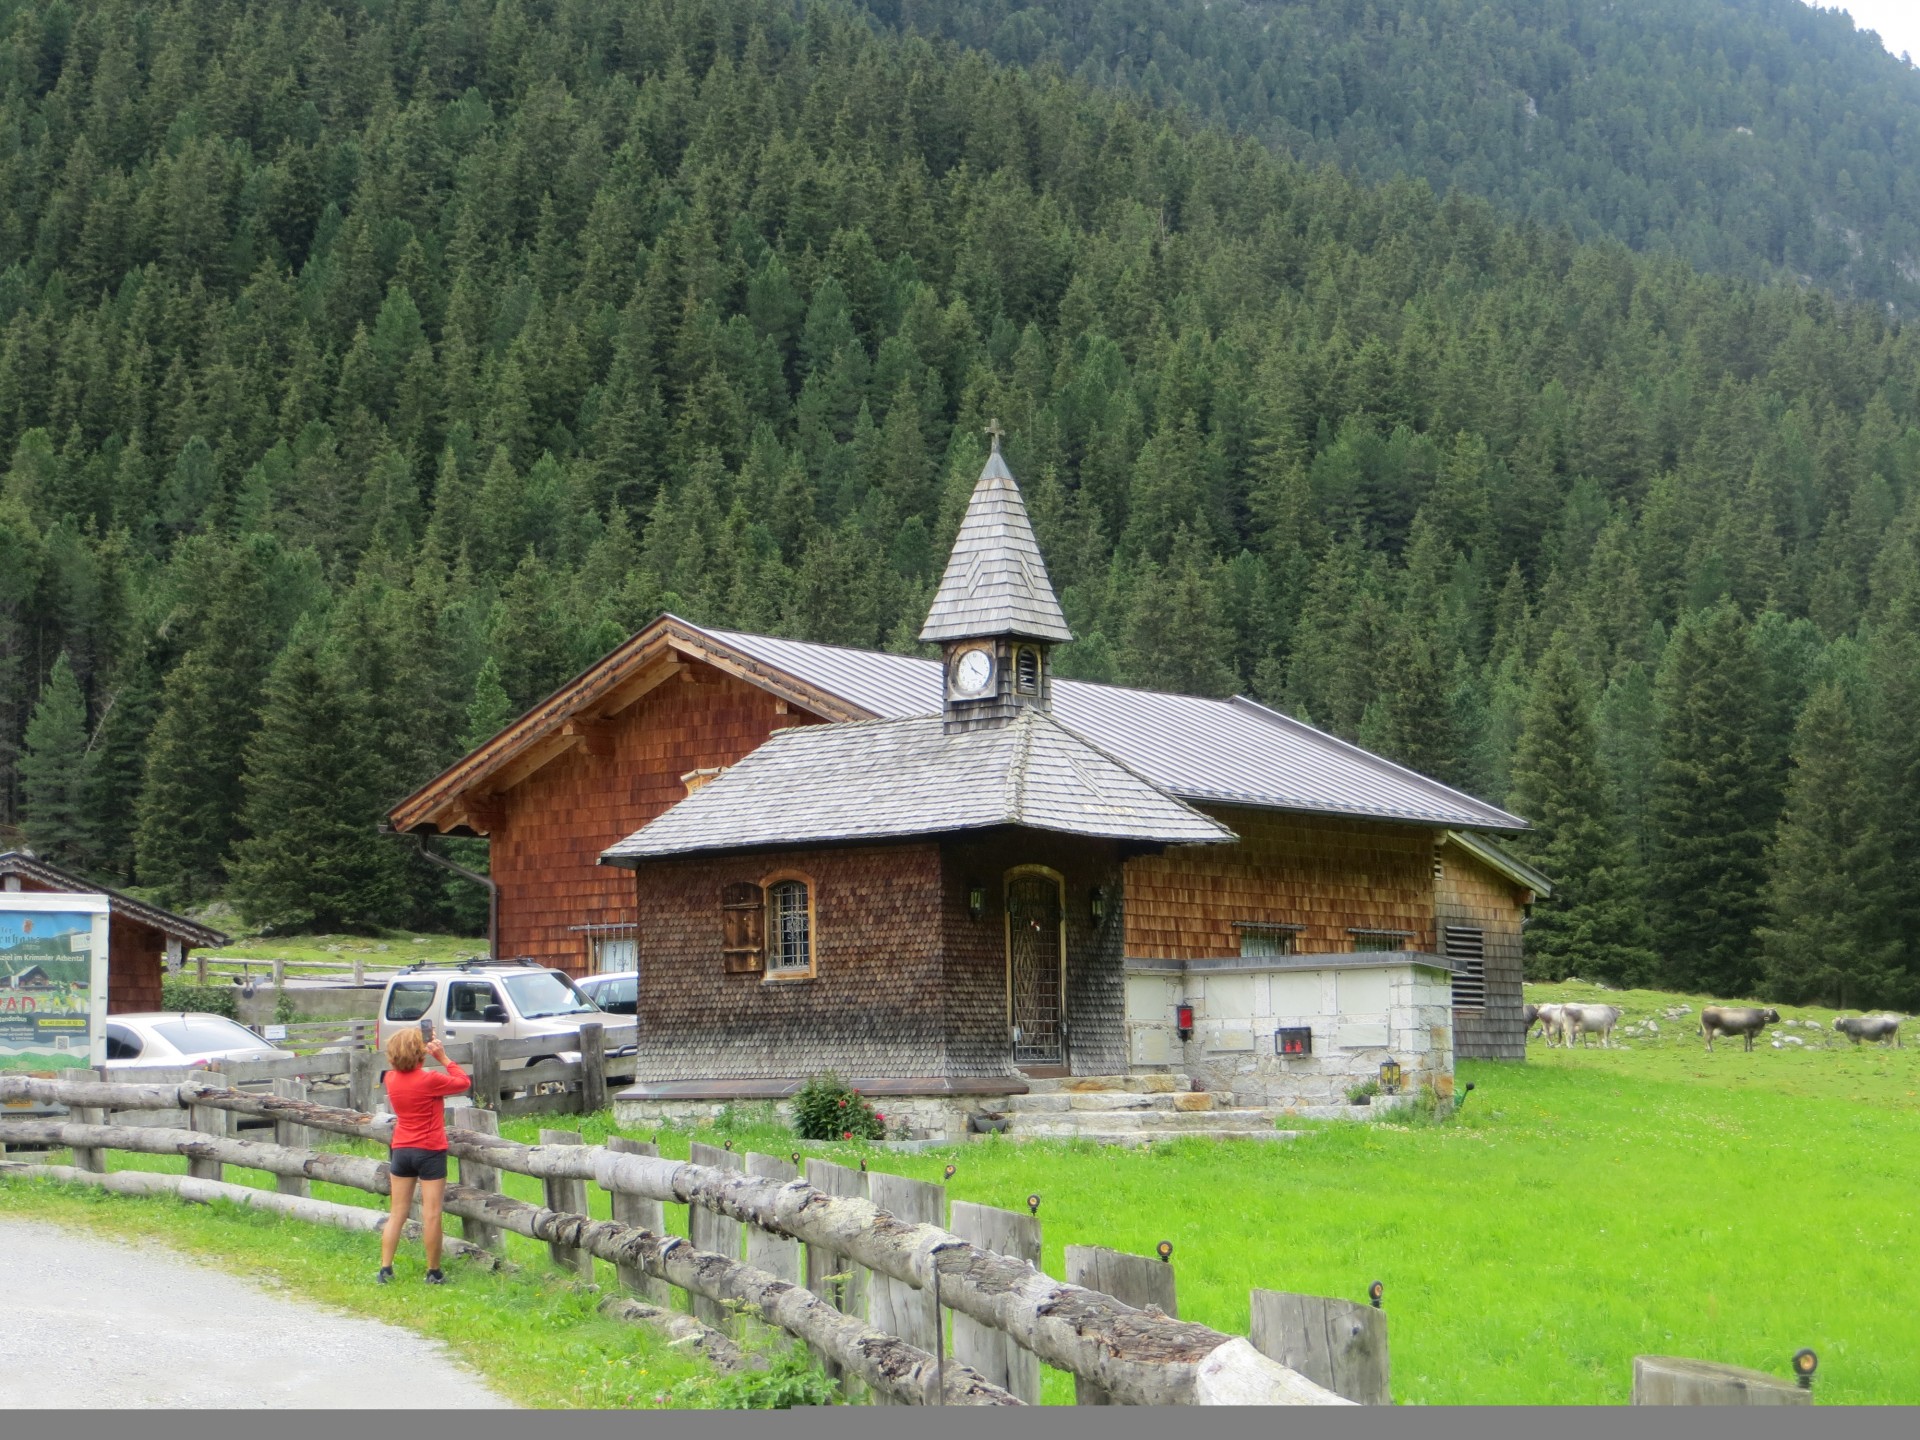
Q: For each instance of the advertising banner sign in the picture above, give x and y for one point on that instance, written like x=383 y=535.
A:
x=53 y=981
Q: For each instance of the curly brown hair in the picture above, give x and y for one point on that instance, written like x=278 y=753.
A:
x=406 y=1049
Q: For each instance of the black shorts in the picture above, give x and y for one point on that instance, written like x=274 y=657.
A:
x=407 y=1163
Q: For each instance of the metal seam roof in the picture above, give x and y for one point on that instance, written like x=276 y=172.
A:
x=1230 y=752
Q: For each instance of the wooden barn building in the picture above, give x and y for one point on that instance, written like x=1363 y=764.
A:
x=142 y=939
x=937 y=874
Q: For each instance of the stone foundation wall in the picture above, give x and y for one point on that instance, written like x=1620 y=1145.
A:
x=1362 y=1009
x=909 y=1117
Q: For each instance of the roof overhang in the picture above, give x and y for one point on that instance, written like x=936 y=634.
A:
x=179 y=927
x=464 y=799
x=1501 y=863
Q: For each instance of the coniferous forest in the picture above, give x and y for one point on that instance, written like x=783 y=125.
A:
x=367 y=369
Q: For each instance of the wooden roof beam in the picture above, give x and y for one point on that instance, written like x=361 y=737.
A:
x=595 y=735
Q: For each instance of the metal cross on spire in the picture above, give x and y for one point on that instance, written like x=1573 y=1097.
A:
x=995 y=432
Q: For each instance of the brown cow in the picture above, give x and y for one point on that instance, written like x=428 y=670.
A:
x=1745 y=1021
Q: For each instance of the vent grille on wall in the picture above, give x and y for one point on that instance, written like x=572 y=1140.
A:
x=1467 y=949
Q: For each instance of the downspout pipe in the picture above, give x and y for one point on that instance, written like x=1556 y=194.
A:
x=493 y=889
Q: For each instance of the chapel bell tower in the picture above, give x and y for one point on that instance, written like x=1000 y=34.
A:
x=995 y=616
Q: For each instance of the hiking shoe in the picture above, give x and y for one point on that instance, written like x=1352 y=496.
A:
x=385 y=1276
x=434 y=1277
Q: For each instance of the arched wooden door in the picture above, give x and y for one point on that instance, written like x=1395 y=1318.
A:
x=1036 y=969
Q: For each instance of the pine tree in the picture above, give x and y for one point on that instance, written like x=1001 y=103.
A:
x=53 y=770
x=1708 y=809
x=1175 y=640
x=189 y=808
x=490 y=711
x=1816 y=945
x=1593 y=924
x=312 y=858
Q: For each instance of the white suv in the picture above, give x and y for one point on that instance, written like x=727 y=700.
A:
x=508 y=1001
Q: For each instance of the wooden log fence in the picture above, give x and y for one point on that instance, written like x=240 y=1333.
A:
x=1336 y=1343
x=1135 y=1354
x=1140 y=1280
x=994 y=1354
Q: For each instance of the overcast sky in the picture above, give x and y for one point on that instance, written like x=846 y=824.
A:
x=1898 y=21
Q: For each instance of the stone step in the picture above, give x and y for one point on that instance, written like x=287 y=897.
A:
x=1133 y=1139
x=1060 y=1101
x=1096 y=1084
x=1067 y=1123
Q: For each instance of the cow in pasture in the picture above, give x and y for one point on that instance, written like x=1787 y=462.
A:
x=1878 y=1028
x=1745 y=1021
x=1547 y=1017
x=1584 y=1020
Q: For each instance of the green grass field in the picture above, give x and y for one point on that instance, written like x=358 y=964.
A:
x=1582 y=1208
x=391 y=948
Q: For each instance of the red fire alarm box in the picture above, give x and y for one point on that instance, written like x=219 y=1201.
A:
x=1184 y=1021
x=1293 y=1041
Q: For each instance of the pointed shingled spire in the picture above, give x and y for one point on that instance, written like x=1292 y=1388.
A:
x=996 y=583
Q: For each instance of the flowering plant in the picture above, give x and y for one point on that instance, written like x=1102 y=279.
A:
x=827 y=1108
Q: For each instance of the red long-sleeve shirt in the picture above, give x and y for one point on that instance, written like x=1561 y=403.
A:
x=418 y=1098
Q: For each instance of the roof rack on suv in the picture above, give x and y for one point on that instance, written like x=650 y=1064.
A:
x=472 y=962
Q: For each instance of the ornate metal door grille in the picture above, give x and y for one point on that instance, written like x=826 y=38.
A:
x=1034 y=971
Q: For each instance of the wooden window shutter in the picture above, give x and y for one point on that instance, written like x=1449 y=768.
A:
x=744 y=915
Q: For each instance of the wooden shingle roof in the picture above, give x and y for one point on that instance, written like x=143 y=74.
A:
x=876 y=780
x=995 y=582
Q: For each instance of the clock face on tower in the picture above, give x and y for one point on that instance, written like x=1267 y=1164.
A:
x=973 y=673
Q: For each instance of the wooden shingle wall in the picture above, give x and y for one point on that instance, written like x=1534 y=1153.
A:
x=1469 y=894
x=1329 y=876
x=875 y=1006
x=553 y=825
x=978 y=1040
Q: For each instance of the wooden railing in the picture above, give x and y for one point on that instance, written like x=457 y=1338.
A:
x=858 y=1265
x=341 y=1053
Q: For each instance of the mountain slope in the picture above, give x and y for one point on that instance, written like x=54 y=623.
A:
x=1745 y=136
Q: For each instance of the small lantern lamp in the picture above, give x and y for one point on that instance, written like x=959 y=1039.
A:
x=1805 y=1362
x=976 y=901
x=1033 y=1204
x=1165 y=1251
x=1183 y=1021
x=1097 y=905
x=1390 y=1076
x=1376 y=1292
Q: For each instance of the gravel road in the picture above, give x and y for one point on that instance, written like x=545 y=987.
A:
x=100 y=1325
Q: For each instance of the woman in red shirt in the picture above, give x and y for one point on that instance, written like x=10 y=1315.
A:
x=419 y=1154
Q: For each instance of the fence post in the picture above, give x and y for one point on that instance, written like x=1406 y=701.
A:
x=208 y=1121
x=294 y=1135
x=1136 y=1280
x=766 y=1250
x=88 y=1157
x=480 y=1177
x=896 y=1307
x=1671 y=1380
x=994 y=1353
x=279 y=977
x=848 y=1295
x=363 y=1080
x=645 y=1213
x=1334 y=1343
x=486 y=1071
x=593 y=1068
x=712 y=1232
x=570 y=1197
x=359 y=970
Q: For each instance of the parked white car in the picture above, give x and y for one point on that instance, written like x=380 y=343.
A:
x=508 y=1001
x=182 y=1038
